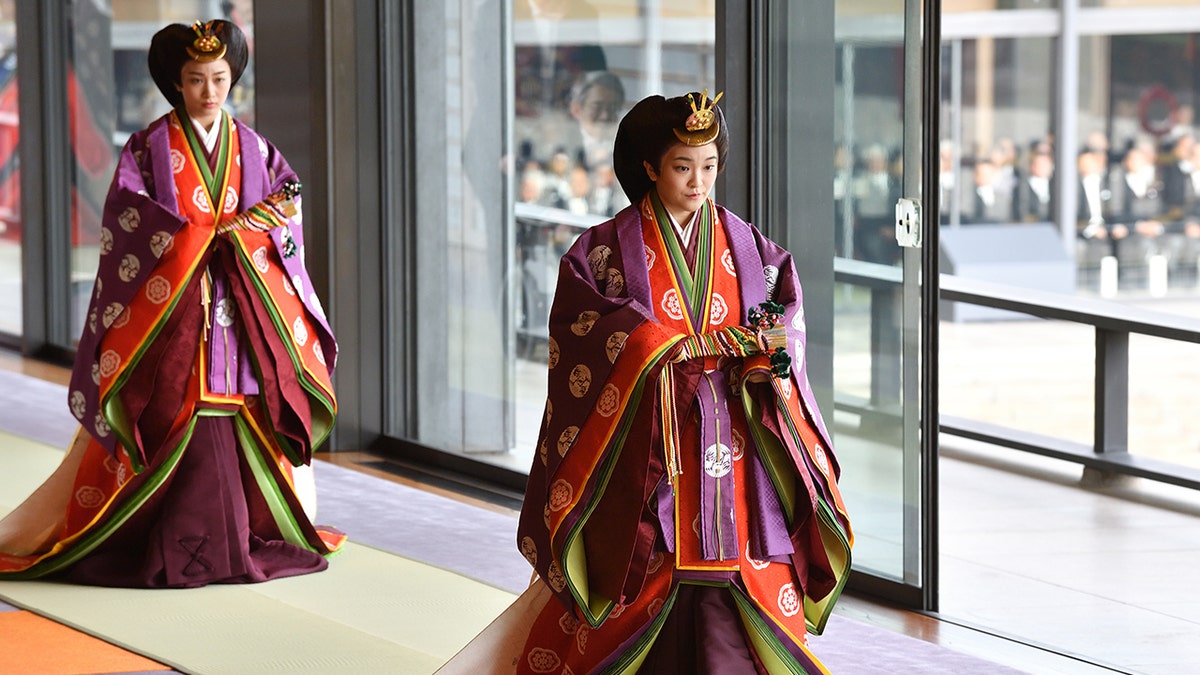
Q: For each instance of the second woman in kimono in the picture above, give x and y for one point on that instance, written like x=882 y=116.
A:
x=202 y=380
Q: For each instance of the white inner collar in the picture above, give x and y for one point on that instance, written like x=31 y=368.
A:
x=209 y=137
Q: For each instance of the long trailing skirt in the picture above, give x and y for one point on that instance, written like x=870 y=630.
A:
x=218 y=502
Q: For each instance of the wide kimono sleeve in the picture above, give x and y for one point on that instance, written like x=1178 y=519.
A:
x=791 y=437
x=605 y=351
x=287 y=315
x=139 y=228
x=288 y=242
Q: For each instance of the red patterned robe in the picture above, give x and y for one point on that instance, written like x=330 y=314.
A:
x=682 y=513
x=202 y=378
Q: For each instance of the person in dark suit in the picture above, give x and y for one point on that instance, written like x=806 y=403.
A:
x=1036 y=196
x=1136 y=208
x=1178 y=189
x=1094 y=240
x=987 y=204
x=1007 y=178
x=1136 y=193
x=1094 y=196
x=875 y=193
x=1180 y=241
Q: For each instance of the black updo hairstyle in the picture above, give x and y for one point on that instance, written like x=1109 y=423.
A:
x=168 y=54
x=646 y=133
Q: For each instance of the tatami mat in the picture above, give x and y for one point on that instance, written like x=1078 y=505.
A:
x=26 y=464
x=371 y=612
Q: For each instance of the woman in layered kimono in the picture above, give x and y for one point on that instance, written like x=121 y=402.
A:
x=202 y=380
x=682 y=511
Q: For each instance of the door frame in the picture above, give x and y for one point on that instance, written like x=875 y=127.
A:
x=756 y=54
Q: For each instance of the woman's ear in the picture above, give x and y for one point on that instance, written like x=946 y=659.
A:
x=650 y=171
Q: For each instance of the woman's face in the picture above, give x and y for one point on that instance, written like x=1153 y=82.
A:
x=684 y=178
x=204 y=86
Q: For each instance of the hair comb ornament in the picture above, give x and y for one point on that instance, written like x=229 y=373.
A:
x=701 y=127
x=206 y=47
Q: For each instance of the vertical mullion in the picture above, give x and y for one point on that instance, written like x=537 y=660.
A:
x=399 y=390
x=927 y=366
x=738 y=46
x=42 y=55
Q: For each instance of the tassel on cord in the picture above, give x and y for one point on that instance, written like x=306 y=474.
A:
x=670 y=424
x=765 y=335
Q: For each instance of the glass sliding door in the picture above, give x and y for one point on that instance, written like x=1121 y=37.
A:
x=519 y=103
x=844 y=145
x=517 y=108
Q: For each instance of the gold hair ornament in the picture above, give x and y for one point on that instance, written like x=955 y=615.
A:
x=206 y=47
x=701 y=127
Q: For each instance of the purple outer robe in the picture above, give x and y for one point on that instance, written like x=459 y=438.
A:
x=140 y=216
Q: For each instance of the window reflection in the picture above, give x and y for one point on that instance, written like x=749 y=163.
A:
x=10 y=178
x=110 y=95
x=867 y=160
x=523 y=124
x=950 y=6
x=578 y=69
x=90 y=100
x=867 y=350
x=1136 y=228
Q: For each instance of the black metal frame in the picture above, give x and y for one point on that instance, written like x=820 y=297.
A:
x=889 y=387
x=931 y=61
x=45 y=179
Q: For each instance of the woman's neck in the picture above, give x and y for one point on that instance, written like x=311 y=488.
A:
x=206 y=122
x=682 y=218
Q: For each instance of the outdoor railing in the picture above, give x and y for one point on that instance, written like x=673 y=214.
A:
x=1113 y=323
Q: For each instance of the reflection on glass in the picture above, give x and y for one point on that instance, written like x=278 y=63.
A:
x=1138 y=4
x=954 y=6
x=997 y=153
x=576 y=74
x=1138 y=95
x=10 y=178
x=110 y=95
x=867 y=176
x=1136 y=232
x=524 y=171
x=91 y=119
x=1137 y=223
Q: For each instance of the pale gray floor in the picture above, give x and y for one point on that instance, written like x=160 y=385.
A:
x=1108 y=572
